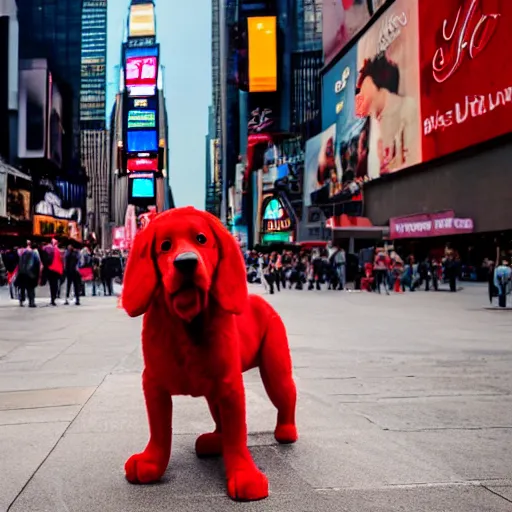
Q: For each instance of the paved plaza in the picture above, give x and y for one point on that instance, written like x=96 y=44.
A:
x=404 y=404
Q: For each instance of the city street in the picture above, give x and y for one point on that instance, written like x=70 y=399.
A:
x=404 y=404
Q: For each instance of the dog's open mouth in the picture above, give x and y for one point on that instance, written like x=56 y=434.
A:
x=188 y=300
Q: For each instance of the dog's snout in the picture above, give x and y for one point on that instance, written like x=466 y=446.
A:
x=186 y=262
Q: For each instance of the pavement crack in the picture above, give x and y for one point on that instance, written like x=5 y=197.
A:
x=22 y=490
x=496 y=493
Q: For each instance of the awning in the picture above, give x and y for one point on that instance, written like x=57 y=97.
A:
x=9 y=169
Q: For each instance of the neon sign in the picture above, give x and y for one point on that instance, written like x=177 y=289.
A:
x=275 y=217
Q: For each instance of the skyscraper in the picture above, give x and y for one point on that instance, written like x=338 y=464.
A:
x=93 y=65
x=53 y=30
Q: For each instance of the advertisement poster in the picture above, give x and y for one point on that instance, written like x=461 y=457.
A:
x=18 y=199
x=3 y=194
x=387 y=89
x=319 y=162
x=276 y=222
x=466 y=76
x=342 y=20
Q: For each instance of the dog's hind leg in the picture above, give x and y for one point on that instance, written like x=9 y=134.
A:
x=210 y=444
x=276 y=373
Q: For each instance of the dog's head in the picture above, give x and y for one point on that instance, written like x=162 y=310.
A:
x=193 y=257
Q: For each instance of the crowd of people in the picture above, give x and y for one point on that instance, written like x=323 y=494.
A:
x=26 y=269
x=379 y=269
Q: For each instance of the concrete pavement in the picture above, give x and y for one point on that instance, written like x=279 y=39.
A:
x=404 y=404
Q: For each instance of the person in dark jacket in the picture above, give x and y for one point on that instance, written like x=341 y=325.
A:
x=29 y=269
x=71 y=264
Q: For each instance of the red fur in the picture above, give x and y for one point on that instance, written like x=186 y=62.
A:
x=198 y=339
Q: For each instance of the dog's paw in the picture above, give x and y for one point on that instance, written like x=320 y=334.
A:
x=143 y=469
x=286 y=434
x=209 y=445
x=250 y=485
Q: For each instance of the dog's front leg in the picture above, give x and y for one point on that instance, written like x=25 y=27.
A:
x=150 y=465
x=245 y=482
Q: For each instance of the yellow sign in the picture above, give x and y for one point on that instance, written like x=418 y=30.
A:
x=142 y=20
x=262 y=54
x=47 y=226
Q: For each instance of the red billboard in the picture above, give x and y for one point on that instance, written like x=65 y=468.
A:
x=466 y=77
x=142 y=164
x=141 y=71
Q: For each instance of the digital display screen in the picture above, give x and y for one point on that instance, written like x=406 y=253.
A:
x=141 y=71
x=141 y=119
x=142 y=20
x=151 y=51
x=142 y=164
x=262 y=54
x=143 y=188
x=141 y=141
x=141 y=90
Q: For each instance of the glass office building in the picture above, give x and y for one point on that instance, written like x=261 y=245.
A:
x=93 y=65
x=52 y=30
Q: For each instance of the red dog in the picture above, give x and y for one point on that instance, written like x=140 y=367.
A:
x=201 y=330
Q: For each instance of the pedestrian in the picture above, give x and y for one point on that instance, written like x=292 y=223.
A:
x=3 y=272
x=381 y=267
x=339 y=259
x=53 y=267
x=29 y=270
x=502 y=279
x=71 y=270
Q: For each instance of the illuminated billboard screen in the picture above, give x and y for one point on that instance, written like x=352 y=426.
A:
x=262 y=54
x=149 y=51
x=141 y=90
x=143 y=188
x=142 y=164
x=141 y=71
x=141 y=141
x=142 y=20
x=135 y=103
x=141 y=119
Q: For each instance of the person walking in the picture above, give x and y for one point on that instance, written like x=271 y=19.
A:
x=340 y=265
x=29 y=270
x=381 y=267
x=54 y=268
x=502 y=279
x=71 y=265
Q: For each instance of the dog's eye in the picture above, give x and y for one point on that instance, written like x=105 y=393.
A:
x=165 y=246
x=201 y=238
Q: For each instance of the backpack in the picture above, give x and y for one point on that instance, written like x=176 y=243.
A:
x=26 y=265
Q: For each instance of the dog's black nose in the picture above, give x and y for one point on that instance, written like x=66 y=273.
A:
x=186 y=262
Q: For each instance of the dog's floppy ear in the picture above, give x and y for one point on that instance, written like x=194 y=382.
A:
x=140 y=278
x=229 y=287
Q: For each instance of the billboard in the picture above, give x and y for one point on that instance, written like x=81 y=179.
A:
x=142 y=188
x=142 y=104
x=33 y=109
x=55 y=125
x=141 y=75
x=142 y=164
x=262 y=53
x=142 y=141
x=141 y=119
x=3 y=194
x=342 y=20
x=410 y=84
x=466 y=77
x=142 y=20
x=263 y=113
x=18 y=198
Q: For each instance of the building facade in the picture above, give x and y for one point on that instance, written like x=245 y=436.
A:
x=94 y=65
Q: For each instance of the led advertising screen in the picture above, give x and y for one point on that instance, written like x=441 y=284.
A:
x=143 y=188
x=149 y=51
x=142 y=141
x=142 y=104
x=262 y=54
x=142 y=164
x=141 y=119
x=141 y=71
x=142 y=20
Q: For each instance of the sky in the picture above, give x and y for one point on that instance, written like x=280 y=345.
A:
x=184 y=34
